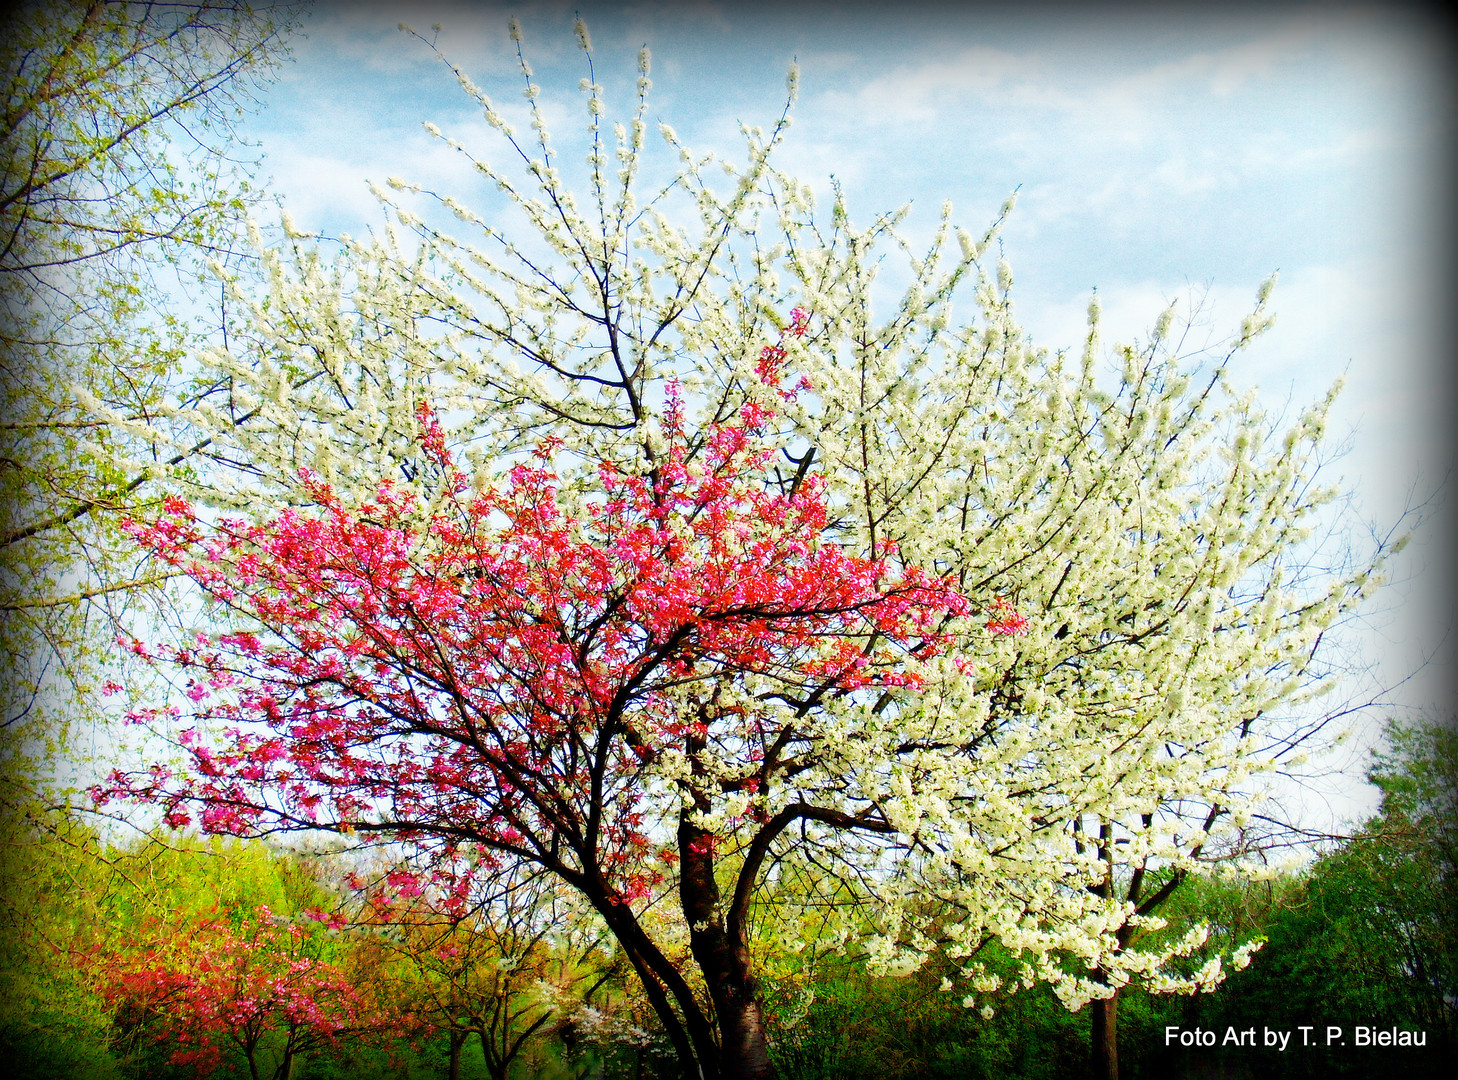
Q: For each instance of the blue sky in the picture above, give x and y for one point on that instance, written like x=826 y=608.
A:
x=1157 y=155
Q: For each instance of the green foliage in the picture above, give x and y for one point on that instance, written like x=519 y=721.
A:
x=1366 y=936
x=65 y=895
x=69 y=901
x=54 y=886
x=854 y=1025
x=113 y=193
x=1369 y=936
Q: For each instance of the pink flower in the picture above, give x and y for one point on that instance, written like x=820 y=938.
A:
x=1005 y=620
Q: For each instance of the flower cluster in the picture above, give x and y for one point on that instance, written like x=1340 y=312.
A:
x=1005 y=620
x=772 y=357
x=477 y=675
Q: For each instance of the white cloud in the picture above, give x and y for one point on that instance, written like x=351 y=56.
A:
x=921 y=93
x=1085 y=80
x=1221 y=72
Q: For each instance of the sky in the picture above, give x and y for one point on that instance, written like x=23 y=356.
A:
x=1157 y=154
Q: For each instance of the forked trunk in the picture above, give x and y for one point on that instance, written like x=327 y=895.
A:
x=724 y=960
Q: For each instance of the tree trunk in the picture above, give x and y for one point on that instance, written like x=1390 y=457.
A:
x=741 y=1030
x=743 y=1050
x=458 y=1042
x=248 y=1052
x=285 y=1070
x=688 y=1028
x=1104 y=1042
x=724 y=962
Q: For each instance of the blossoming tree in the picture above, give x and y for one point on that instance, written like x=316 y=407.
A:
x=119 y=170
x=961 y=617
x=257 y=988
x=558 y=689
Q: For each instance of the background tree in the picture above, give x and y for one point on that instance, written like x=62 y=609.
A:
x=1418 y=822
x=118 y=184
x=68 y=896
x=1367 y=935
x=55 y=884
x=1133 y=537
x=254 y=983
x=510 y=968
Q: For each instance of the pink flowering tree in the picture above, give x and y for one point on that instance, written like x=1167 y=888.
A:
x=255 y=985
x=616 y=678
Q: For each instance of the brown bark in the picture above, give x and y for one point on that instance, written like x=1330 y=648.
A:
x=723 y=959
x=458 y=1041
x=687 y=1029
x=1105 y=1037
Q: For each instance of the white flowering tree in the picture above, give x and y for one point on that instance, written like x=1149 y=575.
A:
x=1128 y=593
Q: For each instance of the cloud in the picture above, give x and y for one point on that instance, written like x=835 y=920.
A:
x=324 y=183
x=920 y=94
x=1111 y=81
x=368 y=36
x=1221 y=72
